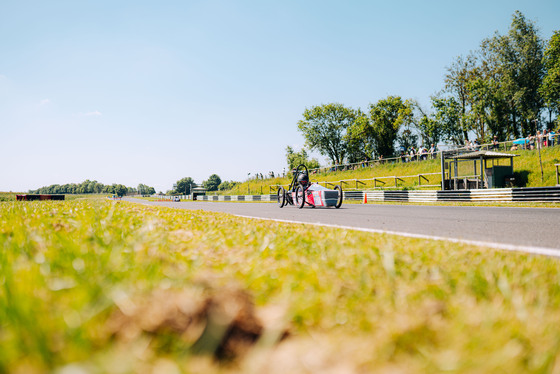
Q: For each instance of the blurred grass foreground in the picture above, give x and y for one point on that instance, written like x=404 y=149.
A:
x=93 y=286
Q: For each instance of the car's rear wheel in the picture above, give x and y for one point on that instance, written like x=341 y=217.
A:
x=300 y=197
x=339 y=199
x=281 y=196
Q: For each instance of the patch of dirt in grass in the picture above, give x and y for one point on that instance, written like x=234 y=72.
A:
x=222 y=322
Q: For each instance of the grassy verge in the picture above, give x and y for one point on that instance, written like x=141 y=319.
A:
x=526 y=166
x=79 y=282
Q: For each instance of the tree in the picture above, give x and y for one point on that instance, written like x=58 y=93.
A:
x=550 y=88
x=145 y=190
x=376 y=134
x=359 y=145
x=119 y=189
x=457 y=84
x=427 y=126
x=519 y=56
x=324 y=129
x=227 y=185
x=141 y=189
x=212 y=183
x=407 y=139
x=386 y=118
x=447 y=114
x=183 y=186
x=294 y=159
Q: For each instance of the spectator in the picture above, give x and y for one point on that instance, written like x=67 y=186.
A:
x=412 y=154
x=539 y=140
x=551 y=138
x=432 y=151
x=513 y=147
x=545 y=138
x=495 y=144
x=476 y=145
x=531 y=142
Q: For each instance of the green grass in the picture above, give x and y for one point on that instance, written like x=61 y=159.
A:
x=8 y=196
x=350 y=300
x=527 y=168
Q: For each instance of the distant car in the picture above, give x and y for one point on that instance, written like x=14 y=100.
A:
x=302 y=193
x=176 y=198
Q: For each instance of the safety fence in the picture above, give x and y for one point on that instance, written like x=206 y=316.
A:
x=387 y=182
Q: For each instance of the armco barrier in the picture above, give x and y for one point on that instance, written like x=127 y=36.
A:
x=496 y=194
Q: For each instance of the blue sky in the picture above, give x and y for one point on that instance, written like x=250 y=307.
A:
x=149 y=92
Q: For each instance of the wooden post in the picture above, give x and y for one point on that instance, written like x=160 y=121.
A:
x=442 y=171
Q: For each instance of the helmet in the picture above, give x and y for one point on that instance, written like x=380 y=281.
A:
x=303 y=179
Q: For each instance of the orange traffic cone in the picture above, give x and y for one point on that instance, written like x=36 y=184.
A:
x=365 y=197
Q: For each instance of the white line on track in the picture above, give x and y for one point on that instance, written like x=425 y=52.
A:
x=506 y=247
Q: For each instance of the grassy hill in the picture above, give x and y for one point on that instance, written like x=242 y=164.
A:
x=526 y=167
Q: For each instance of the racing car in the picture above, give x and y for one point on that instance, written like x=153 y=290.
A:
x=301 y=192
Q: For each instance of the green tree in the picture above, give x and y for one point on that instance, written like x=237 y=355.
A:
x=120 y=190
x=358 y=142
x=519 y=56
x=386 y=118
x=407 y=139
x=324 y=129
x=550 y=88
x=145 y=190
x=427 y=126
x=227 y=185
x=183 y=186
x=294 y=159
x=447 y=115
x=457 y=84
x=212 y=183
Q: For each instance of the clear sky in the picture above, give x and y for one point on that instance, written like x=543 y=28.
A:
x=153 y=91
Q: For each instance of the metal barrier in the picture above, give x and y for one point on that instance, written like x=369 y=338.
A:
x=362 y=182
x=536 y=194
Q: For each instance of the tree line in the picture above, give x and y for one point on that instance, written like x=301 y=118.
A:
x=181 y=187
x=91 y=187
x=213 y=183
x=508 y=88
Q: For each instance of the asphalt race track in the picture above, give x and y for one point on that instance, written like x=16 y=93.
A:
x=533 y=230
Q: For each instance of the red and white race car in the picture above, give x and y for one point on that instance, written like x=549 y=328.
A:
x=301 y=192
